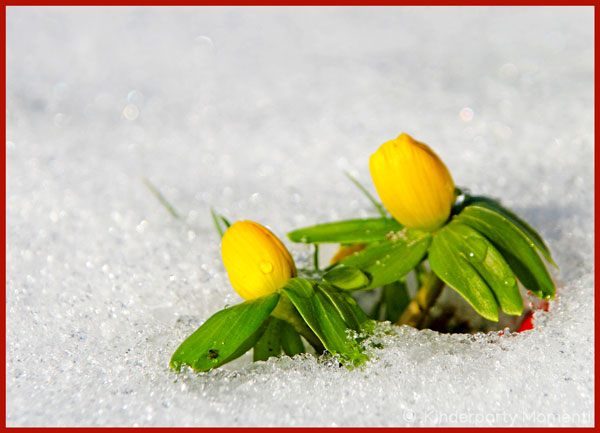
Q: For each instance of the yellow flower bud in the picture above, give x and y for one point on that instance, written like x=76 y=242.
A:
x=413 y=183
x=255 y=259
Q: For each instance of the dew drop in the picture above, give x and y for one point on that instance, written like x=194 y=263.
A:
x=478 y=250
x=266 y=267
x=509 y=282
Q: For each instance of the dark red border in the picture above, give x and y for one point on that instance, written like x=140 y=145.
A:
x=5 y=3
x=596 y=209
x=3 y=219
x=299 y=3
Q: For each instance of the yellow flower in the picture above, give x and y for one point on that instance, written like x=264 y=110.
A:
x=255 y=259
x=413 y=183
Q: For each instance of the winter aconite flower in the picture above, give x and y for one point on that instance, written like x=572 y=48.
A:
x=413 y=183
x=255 y=259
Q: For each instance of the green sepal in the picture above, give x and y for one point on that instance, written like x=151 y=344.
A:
x=246 y=346
x=291 y=343
x=269 y=344
x=452 y=266
x=287 y=312
x=346 y=306
x=324 y=319
x=226 y=335
x=517 y=248
x=221 y=223
x=391 y=259
x=527 y=230
x=346 y=232
x=490 y=265
x=395 y=298
x=346 y=278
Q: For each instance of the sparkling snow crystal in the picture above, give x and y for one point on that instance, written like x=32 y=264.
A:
x=257 y=112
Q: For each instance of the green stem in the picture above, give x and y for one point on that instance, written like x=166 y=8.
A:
x=424 y=298
x=316 y=257
x=375 y=203
x=421 y=274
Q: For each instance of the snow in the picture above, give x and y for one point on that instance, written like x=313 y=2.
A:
x=257 y=111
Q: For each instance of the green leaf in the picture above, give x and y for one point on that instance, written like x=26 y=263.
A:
x=287 y=312
x=346 y=232
x=161 y=198
x=346 y=278
x=452 y=267
x=389 y=260
x=269 y=344
x=364 y=190
x=323 y=319
x=345 y=305
x=246 y=346
x=225 y=336
x=395 y=299
x=221 y=223
x=335 y=328
x=290 y=340
x=527 y=230
x=490 y=265
x=516 y=247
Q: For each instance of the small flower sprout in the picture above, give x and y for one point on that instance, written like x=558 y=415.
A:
x=471 y=243
x=440 y=234
x=280 y=308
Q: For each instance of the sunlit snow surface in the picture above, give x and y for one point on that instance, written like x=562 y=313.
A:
x=257 y=112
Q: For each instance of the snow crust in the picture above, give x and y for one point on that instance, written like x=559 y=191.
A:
x=257 y=111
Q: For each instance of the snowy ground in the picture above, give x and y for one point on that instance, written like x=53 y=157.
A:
x=257 y=111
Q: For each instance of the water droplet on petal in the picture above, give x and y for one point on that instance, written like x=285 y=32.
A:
x=266 y=267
